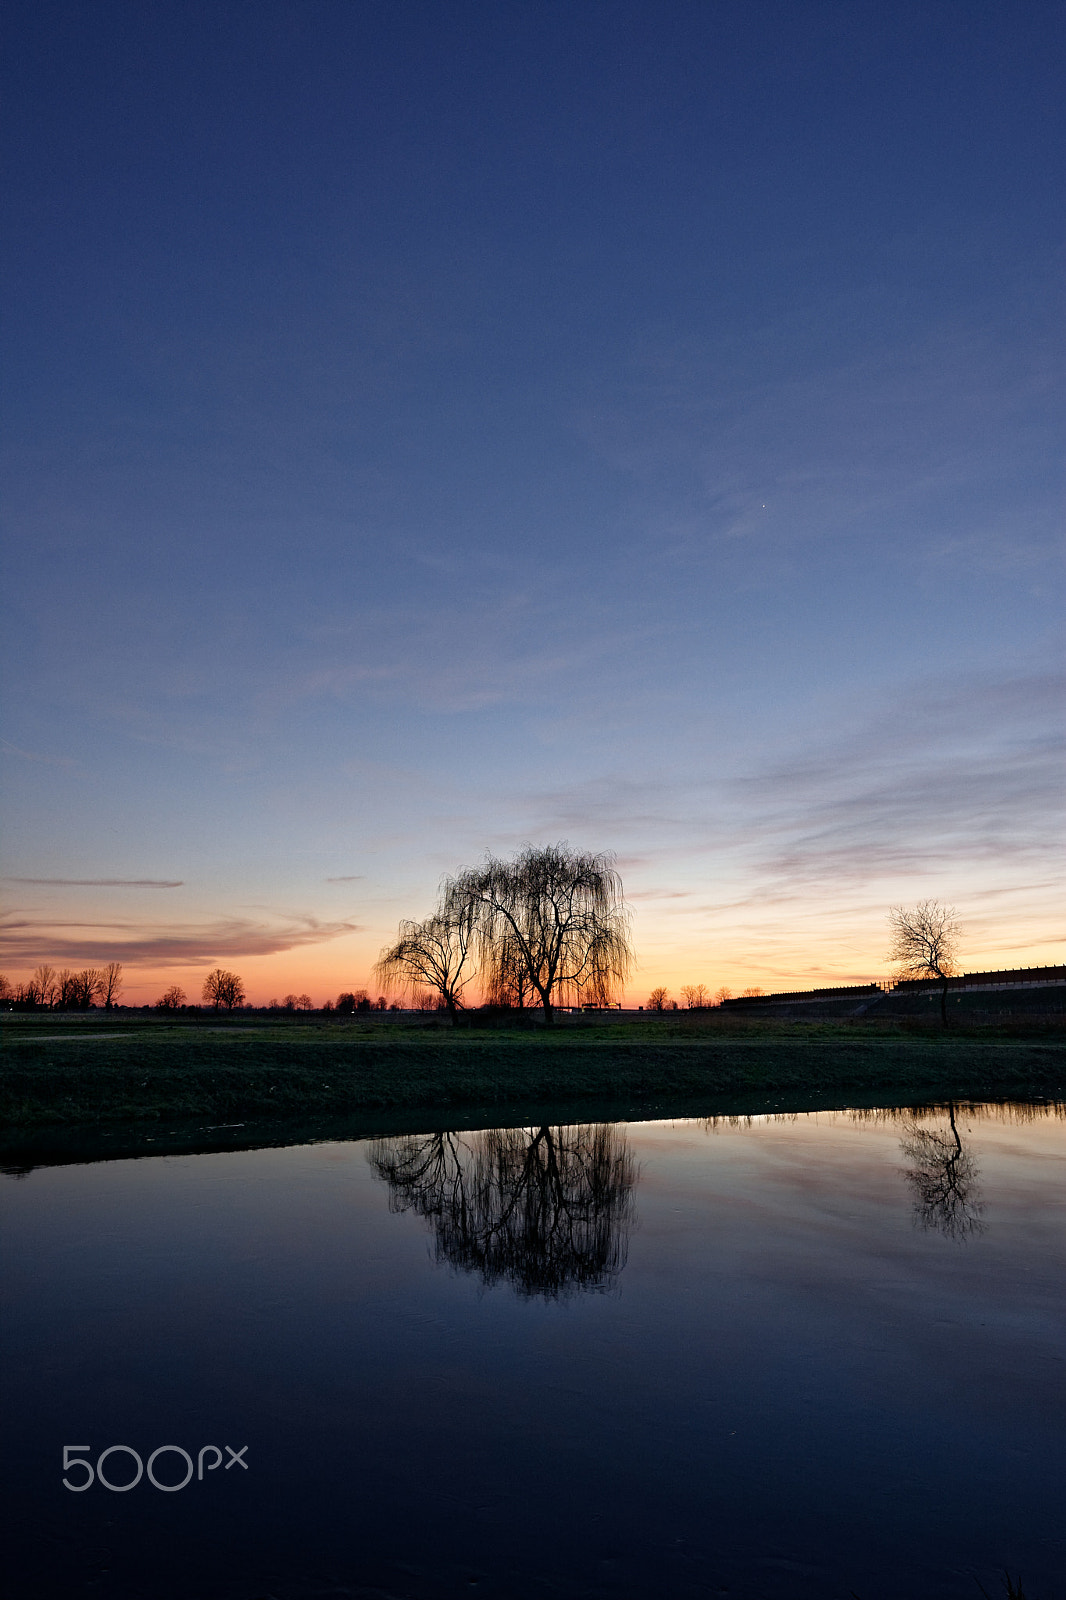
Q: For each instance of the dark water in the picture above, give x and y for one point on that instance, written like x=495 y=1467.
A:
x=805 y=1357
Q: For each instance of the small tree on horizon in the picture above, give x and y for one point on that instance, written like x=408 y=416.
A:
x=88 y=987
x=110 y=984
x=659 y=1000
x=222 y=988
x=925 y=944
x=42 y=989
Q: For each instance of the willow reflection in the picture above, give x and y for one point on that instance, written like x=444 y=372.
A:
x=943 y=1177
x=547 y=1209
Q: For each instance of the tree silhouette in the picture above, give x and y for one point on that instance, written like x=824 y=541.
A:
x=222 y=988
x=925 y=944
x=545 y=1209
x=111 y=984
x=43 y=987
x=434 y=955
x=556 y=912
x=76 y=991
x=943 y=1177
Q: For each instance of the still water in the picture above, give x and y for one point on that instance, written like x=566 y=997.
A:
x=807 y=1356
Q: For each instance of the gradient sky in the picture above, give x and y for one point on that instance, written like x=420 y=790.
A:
x=435 y=426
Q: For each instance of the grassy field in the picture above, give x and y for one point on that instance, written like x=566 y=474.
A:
x=72 y=1078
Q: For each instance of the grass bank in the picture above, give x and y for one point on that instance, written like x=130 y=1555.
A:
x=143 y=1071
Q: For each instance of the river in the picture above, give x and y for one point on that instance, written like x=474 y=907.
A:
x=803 y=1356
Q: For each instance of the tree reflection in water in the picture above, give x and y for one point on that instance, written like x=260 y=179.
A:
x=943 y=1177
x=547 y=1210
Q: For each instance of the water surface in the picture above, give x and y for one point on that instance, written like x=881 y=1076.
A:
x=770 y=1357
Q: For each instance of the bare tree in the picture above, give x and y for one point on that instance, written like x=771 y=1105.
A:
x=111 y=984
x=545 y=1209
x=658 y=1000
x=434 y=954
x=76 y=991
x=943 y=1177
x=86 y=987
x=722 y=994
x=222 y=988
x=751 y=993
x=925 y=944
x=171 y=999
x=6 y=991
x=696 y=996
x=43 y=987
x=560 y=911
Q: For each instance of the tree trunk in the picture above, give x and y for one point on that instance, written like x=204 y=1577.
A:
x=955 y=1131
x=944 y=1001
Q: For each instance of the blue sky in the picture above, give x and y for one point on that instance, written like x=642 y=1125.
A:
x=430 y=427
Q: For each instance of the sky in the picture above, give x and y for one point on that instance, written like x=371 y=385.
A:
x=435 y=427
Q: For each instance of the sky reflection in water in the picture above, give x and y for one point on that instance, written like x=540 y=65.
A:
x=785 y=1357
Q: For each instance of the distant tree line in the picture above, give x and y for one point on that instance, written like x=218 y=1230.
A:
x=697 y=997
x=224 y=991
x=65 y=990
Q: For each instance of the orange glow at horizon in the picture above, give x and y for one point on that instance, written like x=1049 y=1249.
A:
x=326 y=971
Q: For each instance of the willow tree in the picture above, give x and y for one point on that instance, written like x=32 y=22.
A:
x=507 y=981
x=925 y=944
x=556 y=912
x=435 y=954
x=545 y=1209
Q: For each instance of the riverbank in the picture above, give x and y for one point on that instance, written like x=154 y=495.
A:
x=62 y=1082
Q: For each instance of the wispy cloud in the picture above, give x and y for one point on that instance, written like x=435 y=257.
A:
x=945 y=783
x=27 y=941
x=356 y=877
x=661 y=894
x=971 y=774
x=819 y=439
x=104 y=883
x=35 y=755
